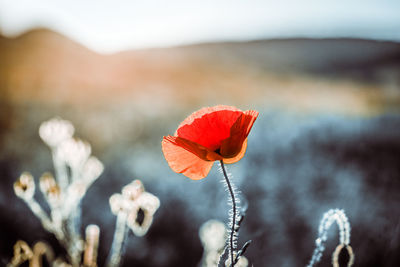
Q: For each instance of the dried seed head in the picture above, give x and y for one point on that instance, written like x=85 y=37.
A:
x=22 y=253
x=56 y=130
x=133 y=190
x=92 y=169
x=50 y=188
x=116 y=203
x=139 y=206
x=120 y=204
x=77 y=189
x=47 y=182
x=24 y=187
x=335 y=255
x=141 y=218
x=74 y=152
x=41 y=249
x=148 y=202
x=139 y=223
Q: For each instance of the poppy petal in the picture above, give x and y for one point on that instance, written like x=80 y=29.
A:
x=209 y=126
x=252 y=115
x=239 y=156
x=203 y=111
x=199 y=150
x=183 y=161
x=233 y=145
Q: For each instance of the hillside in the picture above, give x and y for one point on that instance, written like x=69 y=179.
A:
x=45 y=66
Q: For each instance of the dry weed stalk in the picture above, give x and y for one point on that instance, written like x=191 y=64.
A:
x=330 y=217
x=75 y=171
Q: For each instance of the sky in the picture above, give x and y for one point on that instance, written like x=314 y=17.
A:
x=108 y=26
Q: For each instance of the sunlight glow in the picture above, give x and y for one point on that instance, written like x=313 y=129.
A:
x=110 y=26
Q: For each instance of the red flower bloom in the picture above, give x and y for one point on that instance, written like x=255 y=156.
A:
x=210 y=134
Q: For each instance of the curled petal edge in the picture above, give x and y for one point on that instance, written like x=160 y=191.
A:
x=181 y=160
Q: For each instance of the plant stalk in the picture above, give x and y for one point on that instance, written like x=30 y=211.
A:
x=233 y=211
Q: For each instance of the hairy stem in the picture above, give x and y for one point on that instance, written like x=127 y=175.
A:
x=231 y=242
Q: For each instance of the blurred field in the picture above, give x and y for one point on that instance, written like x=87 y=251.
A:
x=328 y=136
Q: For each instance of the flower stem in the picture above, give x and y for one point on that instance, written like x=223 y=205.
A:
x=119 y=236
x=91 y=245
x=61 y=171
x=231 y=242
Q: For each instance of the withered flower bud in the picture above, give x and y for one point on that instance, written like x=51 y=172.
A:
x=74 y=152
x=50 y=188
x=141 y=218
x=120 y=204
x=56 y=130
x=92 y=169
x=338 y=250
x=148 y=202
x=213 y=235
x=22 y=253
x=133 y=190
x=24 y=187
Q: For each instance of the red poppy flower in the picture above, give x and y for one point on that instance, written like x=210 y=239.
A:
x=209 y=134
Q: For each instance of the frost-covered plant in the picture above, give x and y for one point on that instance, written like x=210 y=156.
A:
x=75 y=171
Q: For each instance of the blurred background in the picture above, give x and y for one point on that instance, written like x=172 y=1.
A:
x=324 y=75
